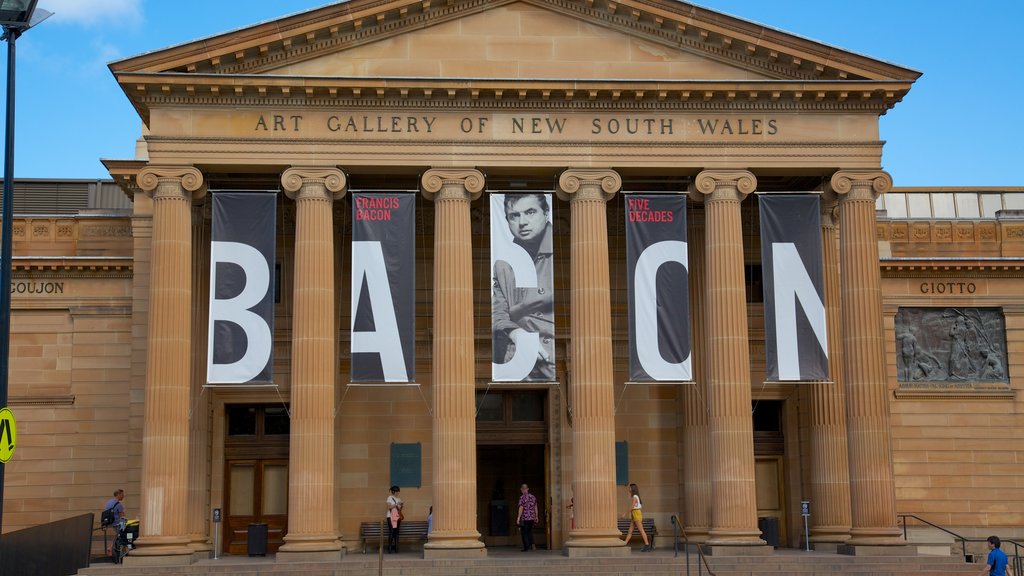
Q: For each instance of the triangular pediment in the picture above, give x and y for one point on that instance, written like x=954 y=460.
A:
x=521 y=41
x=593 y=49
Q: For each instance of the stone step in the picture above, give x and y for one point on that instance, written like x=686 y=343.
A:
x=502 y=562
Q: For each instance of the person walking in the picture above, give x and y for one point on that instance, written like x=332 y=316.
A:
x=997 y=564
x=527 y=516
x=636 y=516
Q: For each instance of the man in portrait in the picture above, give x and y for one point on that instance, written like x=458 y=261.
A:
x=522 y=297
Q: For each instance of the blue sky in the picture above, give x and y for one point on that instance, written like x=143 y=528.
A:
x=959 y=126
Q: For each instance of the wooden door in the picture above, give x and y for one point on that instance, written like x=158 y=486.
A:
x=257 y=492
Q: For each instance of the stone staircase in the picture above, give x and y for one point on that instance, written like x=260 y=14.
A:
x=510 y=562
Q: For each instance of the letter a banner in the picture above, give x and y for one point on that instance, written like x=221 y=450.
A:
x=658 y=287
x=522 y=288
x=383 y=286
x=796 y=348
x=241 y=328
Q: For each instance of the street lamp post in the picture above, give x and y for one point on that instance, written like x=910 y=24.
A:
x=16 y=16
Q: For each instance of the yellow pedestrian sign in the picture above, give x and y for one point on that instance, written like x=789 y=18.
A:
x=8 y=434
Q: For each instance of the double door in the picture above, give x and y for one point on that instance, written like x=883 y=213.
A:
x=255 y=476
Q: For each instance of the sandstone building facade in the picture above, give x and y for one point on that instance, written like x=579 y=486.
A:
x=451 y=102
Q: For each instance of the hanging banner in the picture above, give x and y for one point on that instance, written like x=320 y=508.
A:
x=522 y=288
x=383 y=287
x=657 y=271
x=794 y=290
x=241 y=306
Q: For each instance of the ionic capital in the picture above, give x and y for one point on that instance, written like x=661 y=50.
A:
x=722 y=185
x=187 y=181
x=588 y=184
x=297 y=181
x=860 y=184
x=829 y=211
x=452 y=183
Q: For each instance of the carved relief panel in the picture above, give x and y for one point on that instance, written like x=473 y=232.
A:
x=951 y=345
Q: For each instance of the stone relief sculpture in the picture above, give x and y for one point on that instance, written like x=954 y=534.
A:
x=951 y=345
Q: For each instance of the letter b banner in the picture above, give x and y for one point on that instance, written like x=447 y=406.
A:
x=241 y=324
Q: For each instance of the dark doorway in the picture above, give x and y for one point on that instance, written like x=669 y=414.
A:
x=511 y=450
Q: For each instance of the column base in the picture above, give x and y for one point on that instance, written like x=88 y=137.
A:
x=735 y=537
x=901 y=549
x=453 y=541
x=830 y=547
x=747 y=549
x=302 y=547
x=457 y=553
x=135 y=559
x=160 y=551
x=595 y=538
x=596 y=552
x=285 y=557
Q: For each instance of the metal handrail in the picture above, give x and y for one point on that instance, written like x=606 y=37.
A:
x=677 y=531
x=1016 y=559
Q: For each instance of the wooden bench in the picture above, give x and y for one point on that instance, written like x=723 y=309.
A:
x=409 y=530
x=648 y=524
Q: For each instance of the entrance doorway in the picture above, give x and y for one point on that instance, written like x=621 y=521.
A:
x=769 y=472
x=255 y=475
x=511 y=450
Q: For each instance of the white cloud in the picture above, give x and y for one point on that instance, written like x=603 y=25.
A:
x=94 y=12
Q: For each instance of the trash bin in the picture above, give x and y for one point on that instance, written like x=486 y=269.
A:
x=769 y=527
x=257 y=541
x=499 y=518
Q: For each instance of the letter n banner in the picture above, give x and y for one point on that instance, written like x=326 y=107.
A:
x=658 y=282
x=383 y=286
x=241 y=324
x=794 y=304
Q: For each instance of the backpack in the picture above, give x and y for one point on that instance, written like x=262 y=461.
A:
x=108 y=516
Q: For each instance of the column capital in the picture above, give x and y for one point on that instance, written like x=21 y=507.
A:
x=189 y=177
x=722 y=184
x=435 y=181
x=859 y=184
x=333 y=179
x=588 y=183
x=829 y=205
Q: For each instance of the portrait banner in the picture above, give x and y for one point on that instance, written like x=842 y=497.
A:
x=383 y=287
x=241 y=303
x=522 y=288
x=796 y=347
x=657 y=272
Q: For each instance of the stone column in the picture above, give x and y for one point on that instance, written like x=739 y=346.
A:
x=164 y=529
x=199 y=421
x=731 y=430
x=453 y=372
x=312 y=530
x=872 y=491
x=696 y=461
x=830 y=471
x=593 y=427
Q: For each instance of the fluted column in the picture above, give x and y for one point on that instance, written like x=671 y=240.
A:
x=453 y=372
x=164 y=531
x=830 y=472
x=696 y=459
x=199 y=423
x=731 y=434
x=872 y=491
x=593 y=427
x=312 y=531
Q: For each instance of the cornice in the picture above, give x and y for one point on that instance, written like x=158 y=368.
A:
x=915 y=267
x=148 y=90
x=37 y=268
